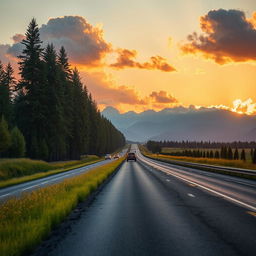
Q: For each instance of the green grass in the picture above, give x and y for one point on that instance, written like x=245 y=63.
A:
x=41 y=169
x=26 y=221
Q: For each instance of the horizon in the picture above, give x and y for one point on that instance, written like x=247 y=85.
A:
x=165 y=66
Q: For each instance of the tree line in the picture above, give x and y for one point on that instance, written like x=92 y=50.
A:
x=49 y=108
x=225 y=152
x=206 y=144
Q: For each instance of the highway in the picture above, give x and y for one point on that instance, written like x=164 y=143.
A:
x=17 y=190
x=152 y=208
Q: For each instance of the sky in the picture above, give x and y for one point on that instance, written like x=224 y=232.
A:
x=148 y=54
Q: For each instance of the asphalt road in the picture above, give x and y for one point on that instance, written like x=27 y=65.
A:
x=17 y=190
x=148 y=211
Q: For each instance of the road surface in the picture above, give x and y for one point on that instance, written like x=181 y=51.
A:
x=146 y=211
x=17 y=190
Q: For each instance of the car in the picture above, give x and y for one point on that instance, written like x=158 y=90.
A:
x=116 y=156
x=108 y=157
x=131 y=156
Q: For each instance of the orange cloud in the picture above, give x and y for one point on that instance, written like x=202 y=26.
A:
x=107 y=92
x=126 y=59
x=163 y=97
x=228 y=36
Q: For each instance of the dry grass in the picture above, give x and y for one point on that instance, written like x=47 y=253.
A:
x=25 y=221
x=210 y=161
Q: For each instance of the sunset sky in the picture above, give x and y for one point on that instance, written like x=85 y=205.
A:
x=148 y=54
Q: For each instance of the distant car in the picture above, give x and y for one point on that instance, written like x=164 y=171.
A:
x=131 y=156
x=116 y=156
x=108 y=157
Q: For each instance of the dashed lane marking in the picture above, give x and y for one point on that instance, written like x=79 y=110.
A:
x=30 y=187
x=191 y=195
x=229 y=198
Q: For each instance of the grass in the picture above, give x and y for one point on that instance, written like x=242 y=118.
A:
x=39 y=169
x=209 y=161
x=26 y=221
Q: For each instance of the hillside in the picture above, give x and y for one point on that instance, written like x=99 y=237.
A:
x=184 y=124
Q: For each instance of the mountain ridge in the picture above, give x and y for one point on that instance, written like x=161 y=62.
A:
x=182 y=123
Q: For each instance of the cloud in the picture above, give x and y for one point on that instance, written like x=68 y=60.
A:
x=17 y=38
x=84 y=43
x=228 y=36
x=247 y=106
x=127 y=59
x=3 y=53
x=162 y=97
x=106 y=92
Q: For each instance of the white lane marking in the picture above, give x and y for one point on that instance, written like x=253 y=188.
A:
x=44 y=182
x=167 y=180
x=30 y=187
x=191 y=195
x=5 y=195
x=164 y=169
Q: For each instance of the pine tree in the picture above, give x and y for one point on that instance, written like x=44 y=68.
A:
x=32 y=102
x=6 y=83
x=236 y=155
x=243 y=157
x=54 y=93
x=217 y=154
x=80 y=127
x=18 y=147
x=254 y=156
x=5 y=137
x=230 y=153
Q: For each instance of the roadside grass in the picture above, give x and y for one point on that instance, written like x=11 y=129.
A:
x=209 y=161
x=26 y=221
x=40 y=169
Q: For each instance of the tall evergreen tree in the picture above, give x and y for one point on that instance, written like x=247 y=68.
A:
x=32 y=85
x=236 y=155
x=230 y=153
x=6 y=83
x=243 y=157
x=54 y=91
x=254 y=156
x=80 y=122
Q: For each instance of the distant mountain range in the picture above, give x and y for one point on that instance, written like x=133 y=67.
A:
x=180 y=123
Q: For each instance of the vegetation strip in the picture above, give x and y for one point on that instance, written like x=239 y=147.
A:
x=206 y=168
x=42 y=174
x=26 y=221
x=167 y=159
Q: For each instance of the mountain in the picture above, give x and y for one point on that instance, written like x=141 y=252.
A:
x=182 y=123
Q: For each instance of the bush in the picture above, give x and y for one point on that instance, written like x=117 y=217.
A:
x=18 y=145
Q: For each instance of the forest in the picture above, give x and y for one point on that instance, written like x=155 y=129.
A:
x=48 y=112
